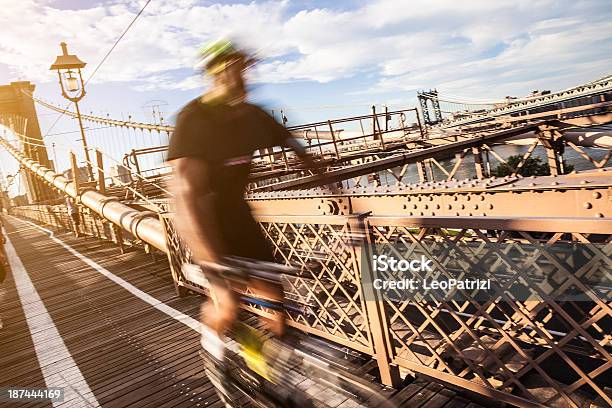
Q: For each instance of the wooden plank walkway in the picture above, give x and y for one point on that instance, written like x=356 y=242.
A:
x=129 y=352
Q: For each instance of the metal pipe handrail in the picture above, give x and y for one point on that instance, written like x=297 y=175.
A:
x=148 y=229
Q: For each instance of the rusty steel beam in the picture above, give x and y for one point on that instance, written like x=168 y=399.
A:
x=584 y=194
x=557 y=114
x=397 y=160
x=600 y=87
x=143 y=225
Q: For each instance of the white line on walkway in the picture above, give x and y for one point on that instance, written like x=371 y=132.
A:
x=54 y=359
x=162 y=307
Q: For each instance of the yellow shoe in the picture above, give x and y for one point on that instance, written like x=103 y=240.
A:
x=251 y=342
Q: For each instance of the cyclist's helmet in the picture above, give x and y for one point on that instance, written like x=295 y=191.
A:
x=213 y=56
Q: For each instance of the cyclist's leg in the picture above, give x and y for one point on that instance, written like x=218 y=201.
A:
x=274 y=293
x=217 y=316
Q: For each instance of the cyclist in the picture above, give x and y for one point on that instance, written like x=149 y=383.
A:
x=210 y=150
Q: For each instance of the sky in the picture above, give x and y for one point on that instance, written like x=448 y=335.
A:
x=317 y=59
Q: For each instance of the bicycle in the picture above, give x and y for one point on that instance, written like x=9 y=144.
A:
x=276 y=383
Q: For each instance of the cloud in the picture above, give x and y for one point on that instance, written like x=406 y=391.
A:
x=480 y=46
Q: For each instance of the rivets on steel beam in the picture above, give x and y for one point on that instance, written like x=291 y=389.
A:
x=404 y=206
x=599 y=215
x=596 y=195
x=455 y=198
x=588 y=205
x=490 y=206
x=482 y=198
x=584 y=182
x=450 y=207
x=425 y=206
x=462 y=206
x=532 y=184
x=475 y=206
x=554 y=183
x=437 y=206
x=468 y=198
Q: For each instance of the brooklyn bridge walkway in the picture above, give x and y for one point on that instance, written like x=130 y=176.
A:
x=110 y=329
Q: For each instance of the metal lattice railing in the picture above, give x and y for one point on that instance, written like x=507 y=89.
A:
x=539 y=337
x=541 y=332
x=326 y=294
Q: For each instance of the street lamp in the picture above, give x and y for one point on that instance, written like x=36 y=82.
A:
x=68 y=69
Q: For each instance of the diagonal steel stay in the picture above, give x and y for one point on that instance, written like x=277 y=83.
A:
x=581 y=152
x=519 y=350
x=398 y=159
x=532 y=364
x=429 y=319
x=543 y=335
x=329 y=297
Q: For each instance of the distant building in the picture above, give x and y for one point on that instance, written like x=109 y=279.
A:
x=121 y=173
x=82 y=174
x=19 y=200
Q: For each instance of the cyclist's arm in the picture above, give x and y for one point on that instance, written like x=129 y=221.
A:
x=193 y=202
x=288 y=140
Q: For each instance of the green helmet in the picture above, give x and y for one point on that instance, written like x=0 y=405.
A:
x=216 y=52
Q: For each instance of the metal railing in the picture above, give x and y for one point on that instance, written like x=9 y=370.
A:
x=91 y=224
x=336 y=139
x=523 y=342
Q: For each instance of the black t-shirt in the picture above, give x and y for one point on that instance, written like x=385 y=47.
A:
x=225 y=137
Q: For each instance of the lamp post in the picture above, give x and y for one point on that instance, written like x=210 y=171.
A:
x=68 y=69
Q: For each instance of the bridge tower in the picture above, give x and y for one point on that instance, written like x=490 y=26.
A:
x=432 y=96
x=17 y=109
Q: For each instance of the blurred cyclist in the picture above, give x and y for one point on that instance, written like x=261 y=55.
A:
x=210 y=151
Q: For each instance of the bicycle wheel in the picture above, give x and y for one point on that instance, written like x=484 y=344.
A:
x=262 y=392
x=331 y=380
